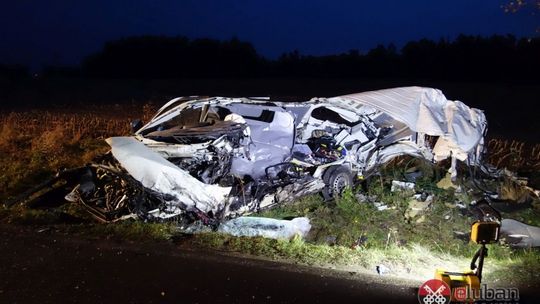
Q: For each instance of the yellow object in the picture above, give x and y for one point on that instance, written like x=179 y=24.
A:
x=485 y=232
x=465 y=286
x=446 y=183
x=467 y=279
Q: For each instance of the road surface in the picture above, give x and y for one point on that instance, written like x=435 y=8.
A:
x=53 y=267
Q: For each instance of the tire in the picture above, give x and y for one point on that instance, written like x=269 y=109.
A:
x=336 y=178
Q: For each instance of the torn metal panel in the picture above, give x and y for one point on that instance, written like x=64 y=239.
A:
x=270 y=143
x=301 y=188
x=158 y=174
x=168 y=150
x=460 y=128
x=386 y=154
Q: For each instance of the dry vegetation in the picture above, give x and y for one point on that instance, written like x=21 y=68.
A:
x=514 y=155
x=35 y=144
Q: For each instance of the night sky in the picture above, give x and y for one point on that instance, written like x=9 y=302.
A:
x=59 y=32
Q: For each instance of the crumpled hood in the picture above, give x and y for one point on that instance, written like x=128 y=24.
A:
x=158 y=174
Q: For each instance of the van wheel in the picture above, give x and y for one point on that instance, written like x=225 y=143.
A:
x=336 y=178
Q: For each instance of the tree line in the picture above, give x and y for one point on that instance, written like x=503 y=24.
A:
x=496 y=57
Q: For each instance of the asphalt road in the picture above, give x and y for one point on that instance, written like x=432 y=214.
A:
x=52 y=267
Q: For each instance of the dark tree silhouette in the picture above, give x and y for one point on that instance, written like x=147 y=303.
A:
x=465 y=58
x=166 y=57
x=13 y=72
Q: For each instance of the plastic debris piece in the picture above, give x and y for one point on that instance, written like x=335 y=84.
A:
x=416 y=207
x=446 y=183
x=380 y=206
x=520 y=235
x=381 y=269
x=400 y=186
x=266 y=227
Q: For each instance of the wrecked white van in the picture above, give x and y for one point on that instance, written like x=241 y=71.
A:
x=217 y=158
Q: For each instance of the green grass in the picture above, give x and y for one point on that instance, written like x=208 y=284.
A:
x=346 y=220
x=529 y=216
x=295 y=249
x=26 y=216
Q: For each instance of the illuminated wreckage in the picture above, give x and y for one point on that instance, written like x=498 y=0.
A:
x=213 y=159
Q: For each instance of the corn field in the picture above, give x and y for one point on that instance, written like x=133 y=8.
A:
x=102 y=122
x=514 y=155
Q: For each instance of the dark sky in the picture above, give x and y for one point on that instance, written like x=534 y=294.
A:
x=63 y=32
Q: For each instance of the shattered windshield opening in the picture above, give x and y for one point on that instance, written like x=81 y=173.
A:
x=323 y=113
x=196 y=125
